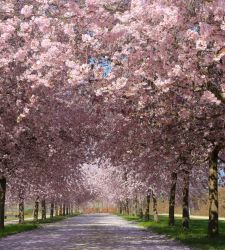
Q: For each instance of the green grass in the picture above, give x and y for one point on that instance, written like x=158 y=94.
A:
x=29 y=225
x=55 y=219
x=195 y=237
x=17 y=228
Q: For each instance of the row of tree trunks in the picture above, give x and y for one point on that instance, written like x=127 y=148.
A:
x=185 y=200
x=64 y=210
x=60 y=210
x=124 y=207
x=213 y=224
x=137 y=206
x=36 y=208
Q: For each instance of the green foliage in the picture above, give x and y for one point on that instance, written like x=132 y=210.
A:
x=55 y=219
x=29 y=225
x=196 y=237
x=28 y=211
x=17 y=228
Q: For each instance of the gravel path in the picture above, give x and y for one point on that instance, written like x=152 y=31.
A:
x=94 y=231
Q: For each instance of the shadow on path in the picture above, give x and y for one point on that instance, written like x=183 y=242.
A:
x=93 y=231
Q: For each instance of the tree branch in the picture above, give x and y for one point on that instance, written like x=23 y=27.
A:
x=217 y=92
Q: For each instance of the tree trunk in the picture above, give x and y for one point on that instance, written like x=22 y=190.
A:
x=141 y=214
x=120 y=208
x=185 y=204
x=60 y=209
x=36 y=209
x=21 y=211
x=2 y=201
x=43 y=209
x=127 y=206
x=64 y=209
x=67 y=210
x=52 y=210
x=56 y=210
x=172 y=199
x=136 y=205
x=147 y=210
x=155 y=211
x=213 y=226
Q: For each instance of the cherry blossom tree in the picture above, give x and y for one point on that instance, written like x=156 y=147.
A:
x=136 y=84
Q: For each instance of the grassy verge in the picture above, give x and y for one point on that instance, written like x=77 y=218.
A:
x=196 y=237
x=55 y=219
x=17 y=228
x=29 y=225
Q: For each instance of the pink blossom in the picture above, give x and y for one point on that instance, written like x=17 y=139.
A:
x=120 y=83
x=34 y=44
x=69 y=29
x=24 y=27
x=20 y=55
x=201 y=44
x=43 y=23
x=46 y=42
x=27 y=10
x=209 y=97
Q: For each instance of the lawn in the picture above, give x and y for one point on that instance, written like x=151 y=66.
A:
x=29 y=225
x=196 y=237
x=17 y=228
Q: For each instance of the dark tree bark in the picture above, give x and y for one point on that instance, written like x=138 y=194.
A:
x=43 y=209
x=52 y=210
x=213 y=226
x=56 y=209
x=172 y=199
x=141 y=214
x=185 y=204
x=64 y=209
x=67 y=210
x=136 y=205
x=155 y=211
x=127 y=210
x=36 y=209
x=120 y=208
x=21 y=211
x=147 y=210
x=2 y=201
x=60 y=209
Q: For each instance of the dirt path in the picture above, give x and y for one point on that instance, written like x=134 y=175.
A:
x=94 y=231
